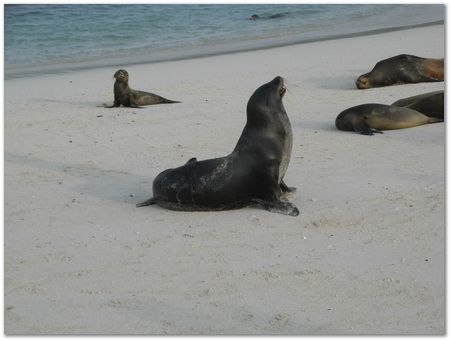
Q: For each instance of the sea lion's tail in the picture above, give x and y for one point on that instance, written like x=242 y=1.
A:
x=435 y=120
x=146 y=203
x=168 y=101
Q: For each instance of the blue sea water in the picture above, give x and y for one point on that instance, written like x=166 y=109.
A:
x=55 y=38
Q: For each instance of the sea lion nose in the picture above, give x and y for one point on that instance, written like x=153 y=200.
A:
x=361 y=82
x=278 y=79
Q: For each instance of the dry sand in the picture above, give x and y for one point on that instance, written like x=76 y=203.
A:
x=365 y=255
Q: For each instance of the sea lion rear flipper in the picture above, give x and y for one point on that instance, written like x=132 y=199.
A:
x=168 y=101
x=285 y=188
x=135 y=106
x=281 y=207
x=146 y=203
x=435 y=120
x=434 y=69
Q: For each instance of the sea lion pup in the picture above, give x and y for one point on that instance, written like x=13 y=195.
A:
x=402 y=69
x=430 y=104
x=368 y=119
x=251 y=175
x=124 y=95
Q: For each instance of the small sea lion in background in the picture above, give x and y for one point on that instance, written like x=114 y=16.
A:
x=402 y=69
x=124 y=95
x=251 y=175
x=430 y=104
x=273 y=16
x=368 y=119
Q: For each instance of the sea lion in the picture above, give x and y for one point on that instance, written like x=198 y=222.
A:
x=402 y=69
x=368 y=119
x=272 y=16
x=430 y=104
x=251 y=175
x=124 y=95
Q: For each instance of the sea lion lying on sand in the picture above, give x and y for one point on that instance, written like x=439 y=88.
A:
x=368 y=119
x=251 y=175
x=402 y=69
x=430 y=104
x=124 y=95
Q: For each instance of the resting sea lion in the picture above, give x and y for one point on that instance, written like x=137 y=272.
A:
x=273 y=16
x=368 y=119
x=430 y=104
x=124 y=95
x=251 y=175
x=402 y=69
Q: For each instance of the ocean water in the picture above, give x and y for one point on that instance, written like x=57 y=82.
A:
x=57 y=38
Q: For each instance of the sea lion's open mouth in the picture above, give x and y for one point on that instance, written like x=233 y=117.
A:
x=282 y=90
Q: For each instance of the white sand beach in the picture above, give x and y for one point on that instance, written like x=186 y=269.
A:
x=365 y=255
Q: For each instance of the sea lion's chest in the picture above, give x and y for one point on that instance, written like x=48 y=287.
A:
x=286 y=147
x=122 y=93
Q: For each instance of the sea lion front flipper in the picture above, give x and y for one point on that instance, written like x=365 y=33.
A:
x=281 y=207
x=363 y=128
x=146 y=203
x=369 y=132
x=115 y=104
x=285 y=188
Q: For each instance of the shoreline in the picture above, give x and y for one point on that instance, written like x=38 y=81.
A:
x=31 y=72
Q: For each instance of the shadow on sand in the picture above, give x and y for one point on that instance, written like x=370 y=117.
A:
x=345 y=83
x=119 y=186
x=316 y=125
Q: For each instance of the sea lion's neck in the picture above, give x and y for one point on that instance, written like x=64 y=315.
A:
x=121 y=85
x=122 y=82
x=276 y=121
x=274 y=126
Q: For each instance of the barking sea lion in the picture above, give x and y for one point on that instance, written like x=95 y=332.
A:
x=251 y=175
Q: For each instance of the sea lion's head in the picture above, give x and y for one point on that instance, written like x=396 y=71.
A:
x=267 y=100
x=272 y=91
x=389 y=71
x=363 y=82
x=121 y=75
